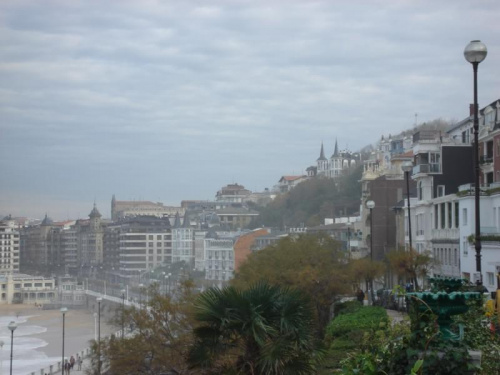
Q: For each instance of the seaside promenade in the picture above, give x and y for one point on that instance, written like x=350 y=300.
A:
x=38 y=338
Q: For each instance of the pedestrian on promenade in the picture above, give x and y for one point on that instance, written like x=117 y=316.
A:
x=72 y=362
x=79 y=363
x=67 y=367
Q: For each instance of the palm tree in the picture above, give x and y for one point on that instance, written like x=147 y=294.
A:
x=262 y=330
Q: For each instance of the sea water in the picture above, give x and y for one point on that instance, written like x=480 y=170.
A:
x=27 y=354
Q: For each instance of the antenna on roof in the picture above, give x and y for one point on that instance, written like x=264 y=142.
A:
x=416 y=118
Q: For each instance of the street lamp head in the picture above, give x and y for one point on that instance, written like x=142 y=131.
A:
x=407 y=166
x=370 y=204
x=141 y=285
x=64 y=310
x=99 y=299
x=12 y=326
x=123 y=291
x=475 y=52
x=95 y=315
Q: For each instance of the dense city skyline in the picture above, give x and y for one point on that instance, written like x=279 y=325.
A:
x=166 y=101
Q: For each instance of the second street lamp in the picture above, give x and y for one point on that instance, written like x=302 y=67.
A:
x=99 y=336
x=371 y=205
x=407 y=168
x=12 y=327
x=63 y=311
x=475 y=52
x=123 y=313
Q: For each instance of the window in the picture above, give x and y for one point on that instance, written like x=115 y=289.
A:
x=490 y=277
x=488 y=119
x=436 y=217
x=457 y=215
x=420 y=191
x=464 y=216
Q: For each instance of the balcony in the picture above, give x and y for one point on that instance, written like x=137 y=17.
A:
x=427 y=168
x=486 y=159
x=446 y=234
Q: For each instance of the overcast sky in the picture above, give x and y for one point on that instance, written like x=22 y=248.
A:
x=171 y=100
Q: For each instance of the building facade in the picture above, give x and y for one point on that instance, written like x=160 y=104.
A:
x=9 y=246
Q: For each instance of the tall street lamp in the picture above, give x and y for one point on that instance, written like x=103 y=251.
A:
x=371 y=205
x=99 y=335
x=95 y=327
x=407 y=168
x=475 y=52
x=63 y=311
x=123 y=313
x=12 y=326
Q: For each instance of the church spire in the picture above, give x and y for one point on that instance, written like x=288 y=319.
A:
x=322 y=153
x=336 y=151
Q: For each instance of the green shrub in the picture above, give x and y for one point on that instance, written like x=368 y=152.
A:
x=347 y=307
x=370 y=318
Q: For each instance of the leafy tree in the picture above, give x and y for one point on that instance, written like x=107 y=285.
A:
x=261 y=330
x=312 y=201
x=159 y=341
x=313 y=264
x=411 y=264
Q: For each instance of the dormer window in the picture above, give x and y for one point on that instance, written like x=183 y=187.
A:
x=489 y=118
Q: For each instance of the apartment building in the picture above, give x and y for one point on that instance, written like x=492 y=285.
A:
x=145 y=242
x=9 y=246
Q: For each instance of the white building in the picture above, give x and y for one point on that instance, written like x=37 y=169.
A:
x=219 y=258
x=145 y=243
x=26 y=289
x=9 y=247
x=490 y=231
x=339 y=161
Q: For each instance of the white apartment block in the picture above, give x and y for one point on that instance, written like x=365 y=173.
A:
x=9 y=247
x=183 y=245
x=144 y=244
x=219 y=259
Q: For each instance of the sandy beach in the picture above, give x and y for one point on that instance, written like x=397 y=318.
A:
x=39 y=336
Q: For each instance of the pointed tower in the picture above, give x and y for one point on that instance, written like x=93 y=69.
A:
x=95 y=219
x=322 y=162
x=186 y=223
x=177 y=221
x=335 y=162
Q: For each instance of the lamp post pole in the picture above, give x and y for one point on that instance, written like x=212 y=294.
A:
x=63 y=311
x=349 y=238
x=407 y=167
x=475 y=52
x=12 y=326
x=95 y=327
x=99 y=336
x=123 y=313
x=371 y=205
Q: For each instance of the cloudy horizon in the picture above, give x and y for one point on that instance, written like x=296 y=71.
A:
x=169 y=101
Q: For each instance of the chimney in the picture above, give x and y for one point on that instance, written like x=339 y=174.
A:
x=471 y=109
